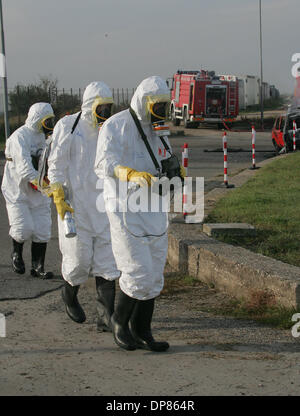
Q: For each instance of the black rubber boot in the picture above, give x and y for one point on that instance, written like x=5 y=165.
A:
x=140 y=323
x=18 y=265
x=106 y=291
x=73 y=308
x=38 y=253
x=119 y=322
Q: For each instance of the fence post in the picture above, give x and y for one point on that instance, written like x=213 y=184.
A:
x=64 y=99
x=18 y=95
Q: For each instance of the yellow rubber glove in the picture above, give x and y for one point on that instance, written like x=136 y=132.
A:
x=127 y=174
x=57 y=192
x=182 y=172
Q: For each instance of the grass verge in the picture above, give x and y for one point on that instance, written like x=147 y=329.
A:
x=176 y=283
x=260 y=306
x=270 y=201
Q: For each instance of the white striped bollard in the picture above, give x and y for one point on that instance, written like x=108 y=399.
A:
x=225 y=162
x=225 y=158
x=294 y=135
x=185 y=163
x=253 y=147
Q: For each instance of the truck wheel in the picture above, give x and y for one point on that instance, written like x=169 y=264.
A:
x=289 y=143
x=276 y=147
x=175 y=121
x=186 y=122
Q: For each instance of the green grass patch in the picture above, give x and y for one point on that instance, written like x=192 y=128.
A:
x=260 y=307
x=176 y=283
x=271 y=202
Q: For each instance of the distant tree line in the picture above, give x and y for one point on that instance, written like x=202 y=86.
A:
x=23 y=96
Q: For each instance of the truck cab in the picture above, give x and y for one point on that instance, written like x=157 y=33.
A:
x=201 y=96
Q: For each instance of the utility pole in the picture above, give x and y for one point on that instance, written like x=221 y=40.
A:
x=261 y=71
x=3 y=74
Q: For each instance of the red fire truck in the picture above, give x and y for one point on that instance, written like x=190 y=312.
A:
x=202 y=96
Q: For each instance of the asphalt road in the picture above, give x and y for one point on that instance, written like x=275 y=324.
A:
x=206 y=154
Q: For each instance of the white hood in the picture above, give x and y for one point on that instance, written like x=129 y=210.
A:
x=37 y=112
x=94 y=91
x=151 y=88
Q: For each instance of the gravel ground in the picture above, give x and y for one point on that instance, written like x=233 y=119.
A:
x=45 y=353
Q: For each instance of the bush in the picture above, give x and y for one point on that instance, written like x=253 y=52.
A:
x=14 y=124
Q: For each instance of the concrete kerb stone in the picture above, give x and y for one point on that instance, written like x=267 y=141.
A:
x=234 y=270
x=233 y=229
x=240 y=272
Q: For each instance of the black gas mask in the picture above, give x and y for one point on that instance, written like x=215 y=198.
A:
x=103 y=112
x=159 y=111
x=48 y=125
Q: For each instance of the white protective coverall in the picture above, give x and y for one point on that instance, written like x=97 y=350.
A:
x=71 y=163
x=140 y=260
x=28 y=210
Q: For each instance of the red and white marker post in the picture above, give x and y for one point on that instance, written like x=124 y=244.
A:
x=225 y=158
x=253 y=147
x=294 y=135
x=225 y=162
x=185 y=163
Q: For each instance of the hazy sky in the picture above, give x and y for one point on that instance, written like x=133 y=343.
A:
x=122 y=42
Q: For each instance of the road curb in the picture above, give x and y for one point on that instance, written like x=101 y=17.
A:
x=234 y=270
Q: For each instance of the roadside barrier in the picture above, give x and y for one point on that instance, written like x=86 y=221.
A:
x=185 y=163
x=294 y=135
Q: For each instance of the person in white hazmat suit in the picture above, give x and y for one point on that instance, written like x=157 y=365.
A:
x=71 y=168
x=122 y=154
x=28 y=209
